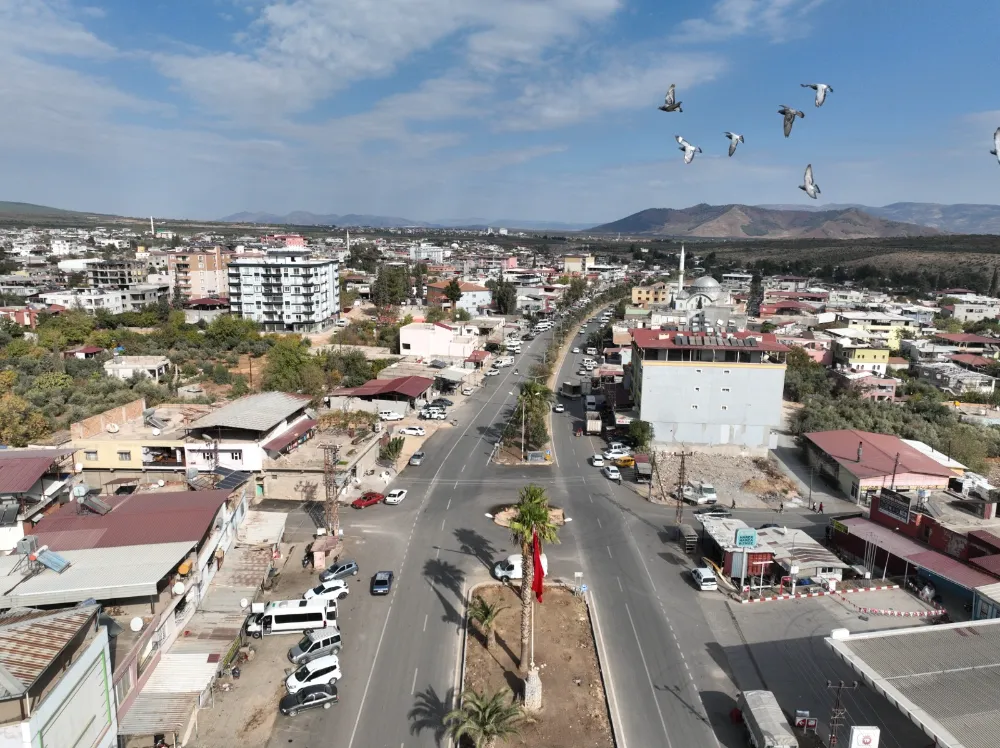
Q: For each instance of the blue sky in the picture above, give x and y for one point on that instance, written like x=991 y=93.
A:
x=527 y=109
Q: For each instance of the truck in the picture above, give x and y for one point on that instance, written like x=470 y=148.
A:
x=699 y=492
x=571 y=390
x=593 y=422
x=765 y=723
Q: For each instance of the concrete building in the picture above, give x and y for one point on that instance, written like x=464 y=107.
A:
x=427 y=253
x=199 y=274
x=474 y=298
x=858 y=356
x=867 y=384
x=658 y=293
x=204 y=309
x=126 y=367
x=984 y=307
x=285 y=291
x=116 y=273
x=577 y=264
x=146 y=294
x=892 y=326
x=90 y=300
x=709 y=390
x=954 y=379
x=31 y=480
x=436 y=340
x=57 y=679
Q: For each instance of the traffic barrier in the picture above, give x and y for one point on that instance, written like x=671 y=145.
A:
x=821 y=593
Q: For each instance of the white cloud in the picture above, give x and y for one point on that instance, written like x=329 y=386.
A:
x=47 y=27
x=777 y=19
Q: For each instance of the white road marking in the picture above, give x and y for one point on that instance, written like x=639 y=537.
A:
x=463 y=469
x=438 y=554
x=591 y=498
x=649 y=678
x=455 y=486
x=449 y=505
x=599 y=523
x=442 y=524
x=426 y=615
x=371 y=672
x=620 y=584
x=413 y=688
x=609 y=552
x=612 y=698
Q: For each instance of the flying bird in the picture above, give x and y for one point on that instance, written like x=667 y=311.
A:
x=669 y=105
x=821 y=90
x=996 y=144
x=734 y=139
x=790 y=115
x=689 y=150
x=809 y=186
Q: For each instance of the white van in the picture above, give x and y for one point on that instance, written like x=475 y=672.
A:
x=390 y=415
x=704 y=579
x=290 y=616
x=510 y=568
x=591 y=351
x=504 y=362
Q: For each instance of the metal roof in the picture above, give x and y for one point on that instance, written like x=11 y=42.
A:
x=878 y=454
x=158 y=713
x=283 y=440
x=951 y=569
x=134 y=520
x=411 y=386
x=29 y=646
x=20 y=469
x=100 y=573
x=944 y=678
x=182 y=672
x=260 y=412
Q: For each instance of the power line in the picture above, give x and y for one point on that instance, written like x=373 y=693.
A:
x=837 y=711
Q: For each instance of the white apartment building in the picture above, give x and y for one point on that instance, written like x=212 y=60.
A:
x=973 y=310
x=436 y=340
x=428 y=253
x=285 y=290
x=111 y=300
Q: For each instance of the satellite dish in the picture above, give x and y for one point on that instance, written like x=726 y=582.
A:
x=135 y=624
x=178 y=588
x=244 y=602
x=156 y=432
x=160 y=483
x=113 y=428
x=79 y=467
x=79 y=491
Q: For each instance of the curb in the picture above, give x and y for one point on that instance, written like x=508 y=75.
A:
x=893 y=613
x=801 y=595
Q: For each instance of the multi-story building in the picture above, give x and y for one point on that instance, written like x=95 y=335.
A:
x=473 y=299
x=199 y=274
x=427 y=252
x=708 y=390
x=658 y=293
x=116 y=273
x=973 y=311
x=892 y=326
x=955 y=380
x=111 y=300
x=145 y=294
x=437 y=340
x=285 y=290
x=577 y=264
x=855 y=355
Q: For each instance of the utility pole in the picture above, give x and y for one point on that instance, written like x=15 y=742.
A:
x=895 y=467
x=331 y=508
x=681 y=480
x=837 y=711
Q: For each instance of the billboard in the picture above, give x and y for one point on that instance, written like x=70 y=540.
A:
x=864 y=737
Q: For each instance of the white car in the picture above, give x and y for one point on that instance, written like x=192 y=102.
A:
x=395 y=496
x=576 y=350
x=597 y=461
x=412 y=431
x=334 y=589
x=491 y=373
x=466 y=391
x=390 y=415
x=612 y=473
x=324 y=669
x=614 y=454
x=559 y=408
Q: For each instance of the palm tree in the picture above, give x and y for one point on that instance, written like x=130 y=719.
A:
x=485 y=718
x=533 y=402
x=531 y=516
x=485 y=615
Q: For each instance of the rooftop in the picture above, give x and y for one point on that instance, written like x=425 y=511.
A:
x=260 y=412
x=944 y=678
x=20 y=469
x=411 y=386
x=878 y=454
x=133 y=361
x=766 y=342
x=967 y=338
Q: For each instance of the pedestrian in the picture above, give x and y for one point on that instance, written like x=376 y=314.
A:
x=781 y=508
x=734 y=504
x=821 y=507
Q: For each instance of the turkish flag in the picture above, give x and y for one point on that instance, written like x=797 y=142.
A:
x=536 y=584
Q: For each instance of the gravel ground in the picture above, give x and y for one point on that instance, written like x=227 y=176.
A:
x=729 y=474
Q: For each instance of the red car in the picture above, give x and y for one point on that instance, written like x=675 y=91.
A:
x=368 y=499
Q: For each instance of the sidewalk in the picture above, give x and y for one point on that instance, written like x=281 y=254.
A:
x=787 y=455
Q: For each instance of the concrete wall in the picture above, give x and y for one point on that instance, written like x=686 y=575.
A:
x=97 y=424
x=712 y=404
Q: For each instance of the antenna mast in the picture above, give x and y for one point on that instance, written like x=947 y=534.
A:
x=837 y=711
x=331 y=508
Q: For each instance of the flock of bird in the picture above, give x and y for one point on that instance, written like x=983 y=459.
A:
x=809 y=186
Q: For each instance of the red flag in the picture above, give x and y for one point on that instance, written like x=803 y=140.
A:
x=536 y=584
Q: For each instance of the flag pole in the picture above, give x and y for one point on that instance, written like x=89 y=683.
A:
x=532 y=633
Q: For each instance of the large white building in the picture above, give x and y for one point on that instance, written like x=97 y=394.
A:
x=286 y=290
x=111 y=300
x=436 y=340
x=699 y=390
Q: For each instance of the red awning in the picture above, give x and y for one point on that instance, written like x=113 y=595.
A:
x=280 y=442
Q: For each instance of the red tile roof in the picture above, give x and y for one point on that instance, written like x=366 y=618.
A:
x=208 y=301
x=646 y=338
x=966 y=337
x=970 y=359
x=281 y=441
x=137 y=519
x=899 y=361
x=478 y=356
x=878 y=454
x=408 y=386
x=20 y=469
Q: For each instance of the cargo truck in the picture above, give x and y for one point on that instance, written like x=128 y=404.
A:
x=765 y=723
x=593 y=422
x=571 y=390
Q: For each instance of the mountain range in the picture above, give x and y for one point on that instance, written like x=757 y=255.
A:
x=754 y=222
x=961 y=218
x=305 y=218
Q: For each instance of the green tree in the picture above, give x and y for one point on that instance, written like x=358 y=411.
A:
x=392 y=450
x=532 y=410
x=505 y=298
x=228 y=331
x=290 y=368
x=756 y=296
x=391 y=286
x=531 y=515
x=435 y=314
x=641 y=434
x=239 y=387
x=462 y=315
x=485 y=614
x=803 y=376
x=453 y=292
x=20 y=423
x=485 y=718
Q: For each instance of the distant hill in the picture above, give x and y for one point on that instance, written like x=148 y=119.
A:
x=305 y=218
x=26 y=210
x=961 y=218
x=752 y=222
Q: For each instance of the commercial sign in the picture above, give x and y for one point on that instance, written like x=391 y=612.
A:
x=841 y=527
x=894 y=507
x=746 y=537
x=864 y=737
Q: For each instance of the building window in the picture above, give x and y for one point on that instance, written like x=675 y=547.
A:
x=124 y=686
x=236 y=454
x=725 y=389
x=125 y=456
x=725 y=371
x=405 y=346
x=90 y=455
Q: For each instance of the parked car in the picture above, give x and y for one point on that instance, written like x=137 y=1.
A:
x=625 y=462
x=416 y=458
x=311 y=697
x=443 y=402
x=559 y=408
x=704 y=579
x=510 y=568
x=433 y=414
x=339 y=570
x=368 y=499
x=466 y=391
x=316 y=643
x=491 y=372
x=577 y=350
x=412 y=431
x=321 y=671
x=382 y=583
x=390 y=415
x=395 y=496
x=614 y=454
x=612 y=473
x=768 y=525
x=597 y=461
x=332 y=589
x=713 y=511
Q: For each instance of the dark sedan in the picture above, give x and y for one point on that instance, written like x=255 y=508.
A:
x=369 y=499
x=714 y=511
x=311 y=697
x=382 y=583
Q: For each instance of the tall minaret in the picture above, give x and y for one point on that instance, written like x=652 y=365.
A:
x=348 y=240
x=152 y=229
x=680 y=281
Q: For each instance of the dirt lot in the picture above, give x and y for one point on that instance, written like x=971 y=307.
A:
x=747 y=480
x=574 y=712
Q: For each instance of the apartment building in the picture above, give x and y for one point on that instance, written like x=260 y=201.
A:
x=577 y=264
x=286 y=290
x=892 y=326
x=201 y=274
x=427 y=253
x=708 y=390
x=973 y=311
x=91 y=300
x=473 y=299
x=954 y=380
x=658 y=293
x=855 y=355
x=116 y=273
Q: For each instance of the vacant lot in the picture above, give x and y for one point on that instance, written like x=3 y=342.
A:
x=574 y=711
